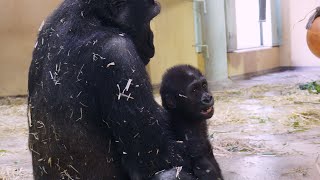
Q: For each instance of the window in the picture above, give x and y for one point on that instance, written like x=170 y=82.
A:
x=249 y=26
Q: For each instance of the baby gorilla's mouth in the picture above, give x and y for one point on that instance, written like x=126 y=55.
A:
x=207 y=111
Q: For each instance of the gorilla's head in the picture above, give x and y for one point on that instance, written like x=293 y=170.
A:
x=134 y=14
x=130 y=16
x=184 y=92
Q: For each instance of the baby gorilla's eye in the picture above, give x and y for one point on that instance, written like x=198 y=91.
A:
x=204 y=85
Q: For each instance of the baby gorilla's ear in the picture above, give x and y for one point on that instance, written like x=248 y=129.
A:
x=170 y=101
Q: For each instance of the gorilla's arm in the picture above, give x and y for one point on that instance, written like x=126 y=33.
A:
x=173 y=174
x=205 y=166
x=139 y=124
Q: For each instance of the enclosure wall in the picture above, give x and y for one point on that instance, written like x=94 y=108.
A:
x=20 y=20
x=294 y=50
x=19 y=23
x=174 y=38
x=253 y=61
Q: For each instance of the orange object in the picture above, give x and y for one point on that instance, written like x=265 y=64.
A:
x=313 y=37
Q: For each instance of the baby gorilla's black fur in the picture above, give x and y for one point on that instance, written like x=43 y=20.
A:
x=184 y=93
x=92 y=111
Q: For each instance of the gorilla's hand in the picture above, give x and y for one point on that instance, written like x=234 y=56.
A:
x=173 y=174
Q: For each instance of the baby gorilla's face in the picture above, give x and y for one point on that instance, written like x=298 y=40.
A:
x=199 y=102
x=184 y=92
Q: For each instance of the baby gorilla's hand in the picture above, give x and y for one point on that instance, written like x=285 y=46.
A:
x=173 y=174
x=205 y=170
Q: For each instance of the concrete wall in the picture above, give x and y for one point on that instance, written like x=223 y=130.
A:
x=294 y=50
x=246 y=62
x=20 y=20
x=19 y=24
x=174 y=38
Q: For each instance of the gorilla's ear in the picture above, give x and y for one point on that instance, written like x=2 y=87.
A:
x=170 y=101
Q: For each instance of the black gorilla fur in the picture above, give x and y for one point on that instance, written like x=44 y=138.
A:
x=184 y=93
x=92 y=111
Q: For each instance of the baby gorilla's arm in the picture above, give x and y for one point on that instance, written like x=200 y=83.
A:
x=205 y=166
x=205 y=170
x=173 y=174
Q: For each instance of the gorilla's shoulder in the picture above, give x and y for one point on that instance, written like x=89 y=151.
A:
x=118 y=45
x=117 y=41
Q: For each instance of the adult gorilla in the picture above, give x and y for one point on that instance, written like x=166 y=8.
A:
x=93 y=115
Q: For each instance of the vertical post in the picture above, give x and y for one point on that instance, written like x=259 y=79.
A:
x=262 y=18
x=261 y=33
x=215 y=37
x=276 y=22
x=197 y=26
x=231 y=25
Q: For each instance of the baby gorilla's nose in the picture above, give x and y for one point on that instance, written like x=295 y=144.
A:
x=207 y=99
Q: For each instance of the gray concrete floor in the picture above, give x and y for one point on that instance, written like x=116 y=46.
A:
x=266 y=128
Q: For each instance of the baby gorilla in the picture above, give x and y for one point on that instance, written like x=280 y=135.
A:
x=185 y=95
